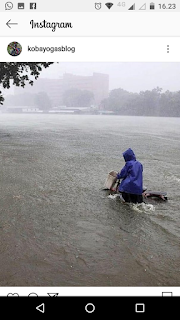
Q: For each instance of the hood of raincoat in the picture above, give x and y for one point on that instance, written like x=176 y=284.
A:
x=129 y=155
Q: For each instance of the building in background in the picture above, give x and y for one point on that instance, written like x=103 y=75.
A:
x=98 y=84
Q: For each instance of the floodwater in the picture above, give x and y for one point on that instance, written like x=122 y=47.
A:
x=59 y=228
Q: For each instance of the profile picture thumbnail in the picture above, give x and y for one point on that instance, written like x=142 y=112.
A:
x=14 y=48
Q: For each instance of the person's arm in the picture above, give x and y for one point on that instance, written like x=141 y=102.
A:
x=123 y=173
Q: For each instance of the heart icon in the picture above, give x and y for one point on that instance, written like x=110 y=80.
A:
x=12 y=295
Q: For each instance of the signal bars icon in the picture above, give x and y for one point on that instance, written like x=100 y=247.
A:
x=143 y=7
x=132 y=7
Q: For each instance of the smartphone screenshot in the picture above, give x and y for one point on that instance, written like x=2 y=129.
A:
x=89 y=156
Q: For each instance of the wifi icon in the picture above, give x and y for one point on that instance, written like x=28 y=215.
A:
x=109 y=5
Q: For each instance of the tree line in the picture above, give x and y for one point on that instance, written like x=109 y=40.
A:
x=145 y=103
x=73 y=98
x=40 y=100
x=20 y=74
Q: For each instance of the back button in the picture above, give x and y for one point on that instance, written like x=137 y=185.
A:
x=41 y=307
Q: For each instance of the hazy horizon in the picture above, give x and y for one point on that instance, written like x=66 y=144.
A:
x=130 y=76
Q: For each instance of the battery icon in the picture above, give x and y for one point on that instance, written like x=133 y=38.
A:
x=152 y=6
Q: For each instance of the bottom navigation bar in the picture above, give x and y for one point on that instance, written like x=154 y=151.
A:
x=99 y=306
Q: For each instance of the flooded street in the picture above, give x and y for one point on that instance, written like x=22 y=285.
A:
x=57 y=226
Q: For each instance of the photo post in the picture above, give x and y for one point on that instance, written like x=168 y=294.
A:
x=89 y=140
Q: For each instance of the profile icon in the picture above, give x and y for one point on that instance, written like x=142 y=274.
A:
x=14 y=48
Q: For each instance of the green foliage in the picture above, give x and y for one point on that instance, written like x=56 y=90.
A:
x=145 y=103
x=19 y=73
x=20 y=100
x=42 y=101
x=75 y=98
x=1 y=98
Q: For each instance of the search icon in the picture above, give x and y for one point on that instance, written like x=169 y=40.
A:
x=8 y=6
x=89 y=307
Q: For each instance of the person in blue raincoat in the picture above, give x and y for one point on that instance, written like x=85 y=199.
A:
x=131 y=186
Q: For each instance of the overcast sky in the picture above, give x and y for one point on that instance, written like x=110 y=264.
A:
x=131 y=76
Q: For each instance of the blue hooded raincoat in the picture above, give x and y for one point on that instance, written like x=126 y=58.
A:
x=131 y=174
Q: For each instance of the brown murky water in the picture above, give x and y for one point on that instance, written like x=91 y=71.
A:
x=58 y=228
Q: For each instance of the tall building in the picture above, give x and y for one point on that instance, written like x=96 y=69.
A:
x=98 y=84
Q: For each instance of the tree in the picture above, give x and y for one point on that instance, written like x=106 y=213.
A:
x=42 y=101
x=85 y=98
x=74 y=98
x=20 y=100
x=118 y=101
x=145 y=103
x=170 y=104
x=19 y=73
x=151 y=101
